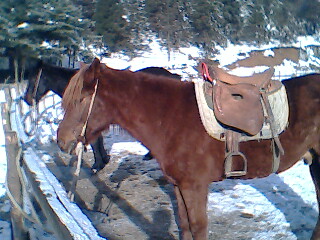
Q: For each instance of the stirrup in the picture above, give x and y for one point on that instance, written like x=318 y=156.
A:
x=228 y=165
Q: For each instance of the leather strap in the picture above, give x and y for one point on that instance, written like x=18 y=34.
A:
x=36 y=85
x=277 y=148
x=205 y=73
x=80 y=146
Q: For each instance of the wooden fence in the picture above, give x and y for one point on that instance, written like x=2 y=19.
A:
x=30 y=183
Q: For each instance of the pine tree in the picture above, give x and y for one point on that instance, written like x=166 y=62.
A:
x=110 y=23
x=166 y=20
x=49 y=28
x=87 y=7
x=205 y=21
x=137 y=20
x=46 y=28
x=59 y=24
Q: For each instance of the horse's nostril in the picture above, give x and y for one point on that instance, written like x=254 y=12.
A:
x=60 y=143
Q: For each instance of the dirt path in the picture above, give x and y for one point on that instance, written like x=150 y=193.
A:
x=130 y=199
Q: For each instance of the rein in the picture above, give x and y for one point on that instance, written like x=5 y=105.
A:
x=80 y=145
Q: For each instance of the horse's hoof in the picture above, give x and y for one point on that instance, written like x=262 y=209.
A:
x=106 y=159
x=97 y=168
x=147 y=157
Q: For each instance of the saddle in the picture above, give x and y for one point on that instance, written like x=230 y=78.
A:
x=241 y=106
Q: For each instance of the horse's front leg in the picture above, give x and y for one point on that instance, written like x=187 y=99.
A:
x=192 y=207
x=101 y=157
x=315 y=174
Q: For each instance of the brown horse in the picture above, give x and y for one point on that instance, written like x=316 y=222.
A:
x=189 y=158
x=55 y=78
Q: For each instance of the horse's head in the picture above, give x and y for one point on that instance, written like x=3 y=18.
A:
x=36 y=88
x=83 y=107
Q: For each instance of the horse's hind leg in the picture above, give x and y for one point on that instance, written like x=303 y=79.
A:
x=192 y=207
x=147 y=156
x=315 y=174
x=183 y=216
x=101 y=157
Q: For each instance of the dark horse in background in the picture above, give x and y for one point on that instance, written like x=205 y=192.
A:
x=56 y=79
x=6 y=76
x=188 y=157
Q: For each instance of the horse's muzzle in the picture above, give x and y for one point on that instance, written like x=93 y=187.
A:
x=27 y=100
x=67 y=147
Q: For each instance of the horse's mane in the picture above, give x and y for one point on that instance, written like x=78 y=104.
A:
x=71 y=95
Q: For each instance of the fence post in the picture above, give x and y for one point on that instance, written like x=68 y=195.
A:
x=14 y=186
x=13 y=181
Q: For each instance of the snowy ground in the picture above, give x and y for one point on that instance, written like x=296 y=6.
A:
x=286 y=202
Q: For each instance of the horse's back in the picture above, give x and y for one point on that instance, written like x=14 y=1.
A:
x=160 y=71
x=303 y=88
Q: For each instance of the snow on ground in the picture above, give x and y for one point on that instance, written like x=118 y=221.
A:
x=251 y=194
x=3 y=161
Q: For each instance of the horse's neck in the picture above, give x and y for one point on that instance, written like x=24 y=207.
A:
x=143 y=105
x=57 y=81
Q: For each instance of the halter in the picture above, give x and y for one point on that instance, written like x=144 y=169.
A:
x=80 y=145
x=90 y=109
x=36 y=85
x=34 y=106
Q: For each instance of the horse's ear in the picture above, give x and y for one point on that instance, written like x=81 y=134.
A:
x=93 y=71
x=95 y=64
x=95 y=67
x=82 y=64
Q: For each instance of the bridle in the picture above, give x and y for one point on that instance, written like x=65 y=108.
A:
x=34 y=105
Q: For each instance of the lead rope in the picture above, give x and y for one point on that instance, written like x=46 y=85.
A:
x=80 y=147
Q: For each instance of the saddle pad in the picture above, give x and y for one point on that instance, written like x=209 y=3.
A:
x=279 y=106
